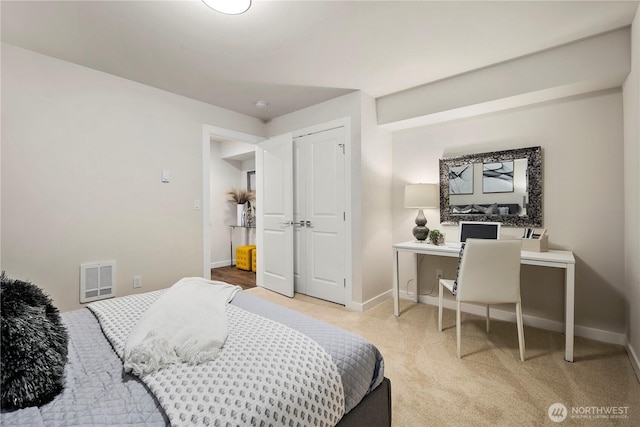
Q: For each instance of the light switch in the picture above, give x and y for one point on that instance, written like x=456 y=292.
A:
x=165 y=175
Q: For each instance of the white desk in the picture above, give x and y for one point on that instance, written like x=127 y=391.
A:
x=553 y=258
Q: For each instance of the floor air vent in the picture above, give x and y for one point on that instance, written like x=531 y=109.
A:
x=97 y=281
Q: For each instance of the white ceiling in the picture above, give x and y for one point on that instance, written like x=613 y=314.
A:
x=294 y=54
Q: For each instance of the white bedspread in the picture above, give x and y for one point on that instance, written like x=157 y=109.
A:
x=267 y=374
x=188 y=323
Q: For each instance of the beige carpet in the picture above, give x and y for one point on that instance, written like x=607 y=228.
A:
x=489 y=385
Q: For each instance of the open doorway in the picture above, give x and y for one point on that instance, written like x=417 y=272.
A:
x=218 y=217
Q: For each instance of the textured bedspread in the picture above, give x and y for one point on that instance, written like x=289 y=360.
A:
x=359 y=362
x=98 y=392
x=266 y=373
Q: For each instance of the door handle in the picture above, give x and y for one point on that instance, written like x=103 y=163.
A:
x=286 y=223
x=302 y=223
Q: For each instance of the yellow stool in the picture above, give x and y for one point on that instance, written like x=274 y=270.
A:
x=254 y=259
x=243 y=257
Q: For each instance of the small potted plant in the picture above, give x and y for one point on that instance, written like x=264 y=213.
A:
x=436 y=237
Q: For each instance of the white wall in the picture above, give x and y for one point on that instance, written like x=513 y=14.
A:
x=376 y=206
x=82 y=153
x=582 y=143
x=631 y=96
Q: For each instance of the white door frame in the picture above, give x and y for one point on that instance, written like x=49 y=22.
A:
x=207 y=132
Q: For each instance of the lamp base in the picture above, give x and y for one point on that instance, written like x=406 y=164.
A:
x=421 y=231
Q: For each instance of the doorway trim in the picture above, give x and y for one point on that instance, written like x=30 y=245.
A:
x=207 y=132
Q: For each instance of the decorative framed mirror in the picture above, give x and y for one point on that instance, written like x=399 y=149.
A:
x=503 y=186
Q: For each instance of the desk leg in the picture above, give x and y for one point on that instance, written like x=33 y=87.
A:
x=570 y=278
x=415 y=276
x=396 y=284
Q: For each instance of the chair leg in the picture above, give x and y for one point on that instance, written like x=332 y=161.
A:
x=440 y=307
x=520 y=330
x=458 y=327
x=488 y=327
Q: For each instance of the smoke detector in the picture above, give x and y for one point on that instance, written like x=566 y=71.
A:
x=262 y=104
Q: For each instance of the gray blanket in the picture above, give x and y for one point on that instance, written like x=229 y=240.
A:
x=98 y=393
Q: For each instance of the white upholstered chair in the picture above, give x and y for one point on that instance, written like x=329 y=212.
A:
x=488 y=273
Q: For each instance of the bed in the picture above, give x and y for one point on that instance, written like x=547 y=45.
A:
x=97 y=391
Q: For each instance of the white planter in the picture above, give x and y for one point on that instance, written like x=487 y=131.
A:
x=240 y=220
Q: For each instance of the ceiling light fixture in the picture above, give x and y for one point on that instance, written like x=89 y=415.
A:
x=229 y=7
x=262 y=104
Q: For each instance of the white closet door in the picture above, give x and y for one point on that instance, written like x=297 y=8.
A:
x=299 y=232
x=274 y=219
x=320 y=256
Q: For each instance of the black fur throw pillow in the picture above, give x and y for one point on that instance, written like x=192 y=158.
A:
x=34 y=346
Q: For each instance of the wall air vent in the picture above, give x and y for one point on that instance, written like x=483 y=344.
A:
x=97 y=281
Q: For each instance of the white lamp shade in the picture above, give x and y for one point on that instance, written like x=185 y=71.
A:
x=421 y=196
x=230 y=7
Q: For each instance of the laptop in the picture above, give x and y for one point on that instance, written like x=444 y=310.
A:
x=476 y=230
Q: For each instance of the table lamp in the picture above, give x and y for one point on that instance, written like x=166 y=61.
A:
x=421 y=196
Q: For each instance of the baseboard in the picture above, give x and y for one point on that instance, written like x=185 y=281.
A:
x=356 y=306
x=222 y=264
x=377 y=300
x=633 y=357
x=536 y=322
